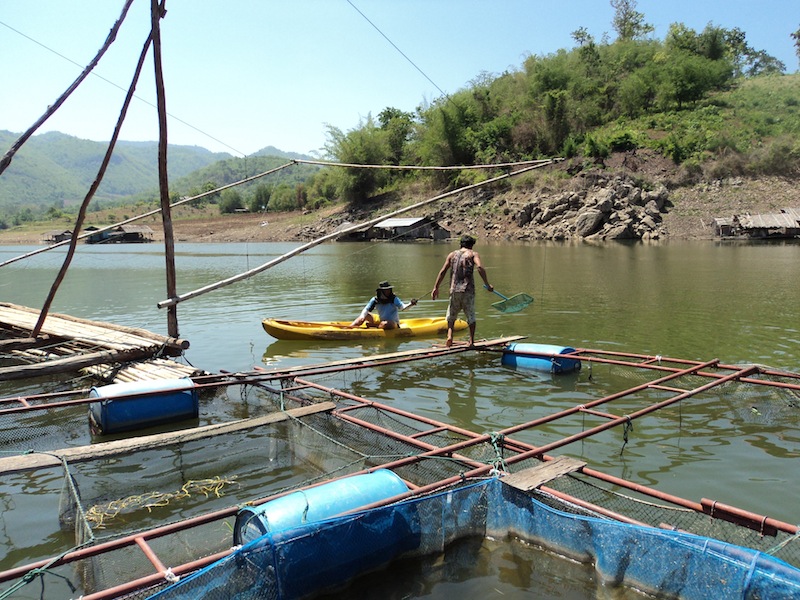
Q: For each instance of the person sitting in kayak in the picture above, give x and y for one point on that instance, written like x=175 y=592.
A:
x=388 y=305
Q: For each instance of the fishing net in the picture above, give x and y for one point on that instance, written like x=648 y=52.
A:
x=324 y=557
x=514 y=303
x=98 y=508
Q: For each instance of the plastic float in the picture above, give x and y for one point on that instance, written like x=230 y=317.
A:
x=316 y=504
x=140 y=404
x=541 y=357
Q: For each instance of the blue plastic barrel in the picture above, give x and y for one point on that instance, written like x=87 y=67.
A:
x=315 y=504
x=537 y=356
x=140 y=404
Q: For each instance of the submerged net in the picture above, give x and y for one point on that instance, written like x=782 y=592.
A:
x=296 y=453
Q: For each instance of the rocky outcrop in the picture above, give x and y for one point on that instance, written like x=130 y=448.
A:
x=598 y=208
x=613 y=209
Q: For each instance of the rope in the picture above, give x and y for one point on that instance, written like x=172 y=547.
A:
x=785 y=542
x=627 y=428
x=497 y=440
x=70 y=483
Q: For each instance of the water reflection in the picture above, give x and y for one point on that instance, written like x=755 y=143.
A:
x=690 y=300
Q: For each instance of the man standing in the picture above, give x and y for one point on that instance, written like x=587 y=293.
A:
x=461 y=263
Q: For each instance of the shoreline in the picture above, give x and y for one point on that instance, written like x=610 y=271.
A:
x=689 y=214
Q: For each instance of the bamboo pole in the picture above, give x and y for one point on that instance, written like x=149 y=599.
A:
x=157 y=13
x=247 y=274
x=60 y=325
x=22 y=343
x=72 y=363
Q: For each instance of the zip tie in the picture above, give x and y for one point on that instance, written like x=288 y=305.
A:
x=170 y=576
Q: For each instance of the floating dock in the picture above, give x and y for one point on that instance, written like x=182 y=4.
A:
x=112 y=353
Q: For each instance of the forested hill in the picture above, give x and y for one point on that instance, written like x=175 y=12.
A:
x=55 y=169
x=707 y=101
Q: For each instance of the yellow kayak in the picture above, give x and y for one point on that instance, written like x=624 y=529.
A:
x=339 y=330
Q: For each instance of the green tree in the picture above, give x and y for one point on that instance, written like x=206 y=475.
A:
x=628 y=22
x=398 y=126
x=283 y=198
x=260 y=199
x=555 y=115
x=321 y=188
x=796 y=37
x=688 y=77
x=230 y=201
x=364 y=145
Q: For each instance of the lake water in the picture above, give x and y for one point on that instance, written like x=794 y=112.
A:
x=695 y=300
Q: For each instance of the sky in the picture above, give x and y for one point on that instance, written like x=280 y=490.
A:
x=242 y=75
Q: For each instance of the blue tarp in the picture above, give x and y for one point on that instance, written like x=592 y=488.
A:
x=321 y=556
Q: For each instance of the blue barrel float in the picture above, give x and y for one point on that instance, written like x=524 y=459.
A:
x=315 y=504
x=139 y=404
x=542 y=357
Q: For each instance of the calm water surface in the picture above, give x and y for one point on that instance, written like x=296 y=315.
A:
x=694 y=300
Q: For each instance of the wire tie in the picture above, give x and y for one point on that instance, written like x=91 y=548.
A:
x=170 y=576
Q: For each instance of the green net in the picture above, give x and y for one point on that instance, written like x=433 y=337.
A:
x=513 y=304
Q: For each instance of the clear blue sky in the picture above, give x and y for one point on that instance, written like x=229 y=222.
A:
x=245 y=74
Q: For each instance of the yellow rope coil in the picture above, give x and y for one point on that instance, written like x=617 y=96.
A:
x=99 y=515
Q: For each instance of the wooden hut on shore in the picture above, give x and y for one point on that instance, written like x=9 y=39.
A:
x=408 y=229
x=124 y=234
x=781 y=225
x=57 y=236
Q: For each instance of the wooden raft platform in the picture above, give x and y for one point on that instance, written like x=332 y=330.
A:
x=69 y=344
x=535 y=477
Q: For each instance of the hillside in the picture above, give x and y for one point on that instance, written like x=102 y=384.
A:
x=491 y=214
x=694 y=125
x=55 y=169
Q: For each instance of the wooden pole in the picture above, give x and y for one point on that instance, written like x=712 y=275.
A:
x=157 y=12
x=89 y=195
x=74 y=363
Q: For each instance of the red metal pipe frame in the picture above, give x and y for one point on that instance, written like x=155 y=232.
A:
x=535 y=452
x=144 y=582
x=481 y=470
x=212 y=381
x=129 y=540
x=434 y=451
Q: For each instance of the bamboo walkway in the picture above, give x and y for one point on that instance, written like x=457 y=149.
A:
x=70 y=344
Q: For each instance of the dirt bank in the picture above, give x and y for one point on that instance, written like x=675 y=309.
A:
x=489 y=215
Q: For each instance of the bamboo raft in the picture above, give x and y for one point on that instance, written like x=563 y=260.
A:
x=66 y=343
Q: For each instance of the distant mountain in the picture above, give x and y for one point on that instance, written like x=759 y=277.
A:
x=55 y=169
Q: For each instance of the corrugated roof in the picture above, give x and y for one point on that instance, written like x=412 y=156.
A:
x=135 y=229
x=400 y=222
x=788 y=218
